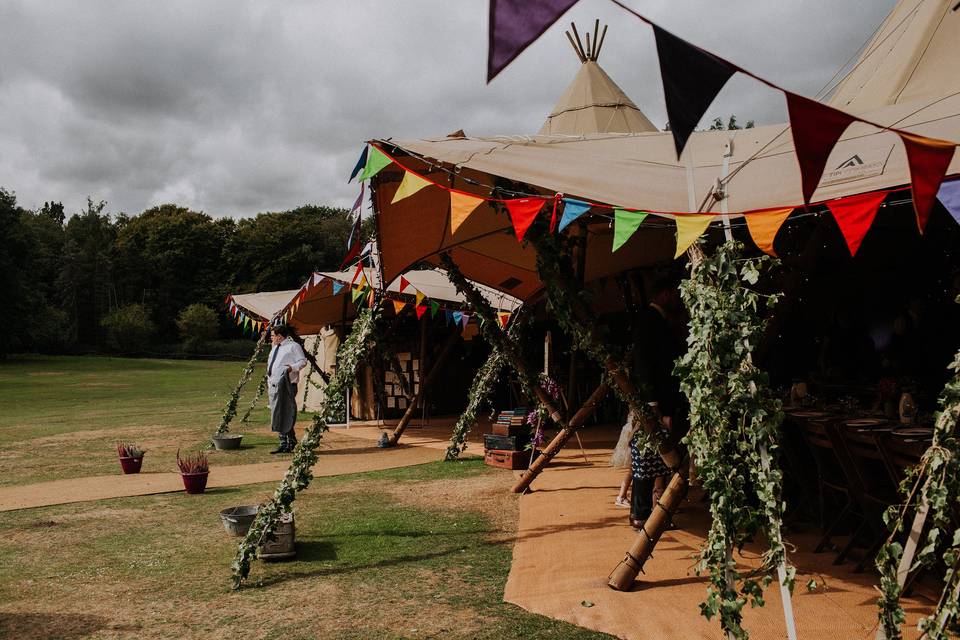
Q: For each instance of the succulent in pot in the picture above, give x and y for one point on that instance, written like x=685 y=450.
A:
x=194 y=470
x=131 y=457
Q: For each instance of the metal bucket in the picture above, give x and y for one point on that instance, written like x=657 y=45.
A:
x=227 y=441
x=237 y=520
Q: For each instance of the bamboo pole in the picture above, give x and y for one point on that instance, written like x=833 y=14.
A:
x=424 y=383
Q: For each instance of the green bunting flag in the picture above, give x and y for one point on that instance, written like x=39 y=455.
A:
x=357 y=292
x=625 y=224
x=434 y=308
x=376 y=160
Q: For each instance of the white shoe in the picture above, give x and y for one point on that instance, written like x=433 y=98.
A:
x=621 y=502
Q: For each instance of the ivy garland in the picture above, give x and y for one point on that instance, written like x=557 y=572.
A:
x=479 y=392
x=734 y=425
x=934 y=483
x=261 y=388
x=362 y=338
x=306 y=390
x=230 y=411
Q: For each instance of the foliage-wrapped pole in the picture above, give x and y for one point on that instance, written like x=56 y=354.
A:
x=313 y=353
x=362 y=337
x=734 y=427
x=230 y=411
x=424 y=384
x=480 y=390
x=261 y=388
x=932 y=486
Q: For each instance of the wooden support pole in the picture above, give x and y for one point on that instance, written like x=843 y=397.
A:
x=568 y=430
x=424 y=383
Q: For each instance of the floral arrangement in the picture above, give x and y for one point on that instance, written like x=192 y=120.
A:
x=538 y=417
x=129 y=450
x=195 y=463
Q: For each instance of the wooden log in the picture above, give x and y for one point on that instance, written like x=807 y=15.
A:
x=561 y=438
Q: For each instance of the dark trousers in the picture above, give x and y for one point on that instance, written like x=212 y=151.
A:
x=641 y=498
x=289 y=438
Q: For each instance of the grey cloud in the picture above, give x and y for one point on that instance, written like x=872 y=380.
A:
x=239 y=107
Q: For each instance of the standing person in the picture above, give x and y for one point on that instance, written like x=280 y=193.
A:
x=655 y=350
x=286 y=360
x=622 y=458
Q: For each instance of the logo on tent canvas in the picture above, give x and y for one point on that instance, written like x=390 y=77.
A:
x=861 y=165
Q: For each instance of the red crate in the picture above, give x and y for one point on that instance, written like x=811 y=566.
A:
x=507 y=459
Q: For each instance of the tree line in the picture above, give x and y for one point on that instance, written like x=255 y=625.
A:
x=95 y=281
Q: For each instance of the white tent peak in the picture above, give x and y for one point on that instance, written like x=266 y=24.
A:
x=593 y=103
x=912 y=57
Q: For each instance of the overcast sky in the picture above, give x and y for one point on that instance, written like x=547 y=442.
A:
x=234 y=107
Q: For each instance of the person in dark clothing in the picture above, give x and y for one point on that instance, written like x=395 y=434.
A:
x=655 y=350
x=284 y=363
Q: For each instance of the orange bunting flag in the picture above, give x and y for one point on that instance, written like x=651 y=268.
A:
x=816 y=129
x=404 y=283
x=461 y=206
x=763 y=227
x=398 y=306
x=420 y=298
x=689 y=228
x=504 y=318
x=410 y=184
x=523 y=211
x=421 y=309
x=363 y=281
x=855 y=214
x=929 y=160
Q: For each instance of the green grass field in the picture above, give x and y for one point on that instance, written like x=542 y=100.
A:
x=62 y=416
x=417 y=552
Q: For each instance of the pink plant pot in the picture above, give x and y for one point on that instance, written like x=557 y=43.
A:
x=195 y=482
x=131 y=465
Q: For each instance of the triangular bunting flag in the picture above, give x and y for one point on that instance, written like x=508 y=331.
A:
x=929 y=160
x=514 y=24
x=356 y=273
x=504 y=318
x=625 y=224
x=363 y=281
x=404 y=283
x=457 y=317
x=855 y=214
x=449 y=315
x=337 y=287
x=398 y=306
x=689 y=228
x=317 y=279
x=376 y=161
x=410 y=184
x=763 y=227
x=421 y=309
x=949 y=197
x=434 y=308
x=420 y=298
x=692 y=78
x=358 y=202
x=246 y=322
x=461 y=206
x=816 y=129
x=522 y=213
x=361 y=162
x=572 y=209
x=356 y=293
x=466 y=319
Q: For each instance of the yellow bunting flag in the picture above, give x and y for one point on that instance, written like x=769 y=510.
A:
x=410 y=184
x=420 y=297
x=689 y=228
x=763 y=226
x=363 y=281
x=398 y=306
x=461 y=206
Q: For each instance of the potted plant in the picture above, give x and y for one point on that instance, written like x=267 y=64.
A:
x=194 y=470
x=131 y=457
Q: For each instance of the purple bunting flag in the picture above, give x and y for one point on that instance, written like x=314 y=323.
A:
x=515 y=24
x=949 y=197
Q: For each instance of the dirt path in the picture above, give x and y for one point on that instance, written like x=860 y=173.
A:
x=341 y=454
x=570 y=537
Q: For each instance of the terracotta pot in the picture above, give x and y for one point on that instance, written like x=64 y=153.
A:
x=131 y=465
x=195 y=482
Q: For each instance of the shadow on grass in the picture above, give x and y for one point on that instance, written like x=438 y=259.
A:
x=40 y=626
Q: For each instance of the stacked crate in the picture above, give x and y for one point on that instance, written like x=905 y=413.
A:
x=506 y=447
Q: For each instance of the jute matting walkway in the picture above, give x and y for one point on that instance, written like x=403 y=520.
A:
x=571 y=536
x=343 y=453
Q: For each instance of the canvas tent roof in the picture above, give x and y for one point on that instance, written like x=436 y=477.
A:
x=321 y=307
x=593 y=103
x=912 y=57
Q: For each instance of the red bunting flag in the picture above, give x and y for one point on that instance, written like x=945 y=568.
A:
x=855 y=214
x=421 y=309
x=404 y=283
x=929 y=160
x=816 y=129
x=504 y=318
x=357 y=272
x=523 y=211
x=553 y=216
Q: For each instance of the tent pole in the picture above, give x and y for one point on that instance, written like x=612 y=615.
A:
x=424 y=383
